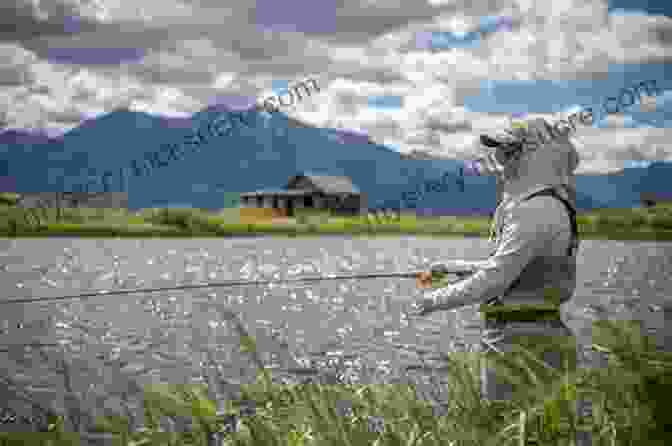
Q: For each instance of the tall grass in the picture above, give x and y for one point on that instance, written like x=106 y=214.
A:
x=629 y=395
x=649 y=223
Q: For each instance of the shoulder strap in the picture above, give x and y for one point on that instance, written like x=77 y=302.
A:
x=551 y=192
x=574 y=243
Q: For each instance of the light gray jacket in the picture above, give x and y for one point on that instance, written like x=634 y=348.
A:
x=531 y=238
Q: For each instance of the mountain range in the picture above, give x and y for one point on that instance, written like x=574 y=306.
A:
x=265 y=153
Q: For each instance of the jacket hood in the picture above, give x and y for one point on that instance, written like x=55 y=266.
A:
x=547 y=159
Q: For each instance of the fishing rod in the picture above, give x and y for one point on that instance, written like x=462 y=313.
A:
x=407 y=275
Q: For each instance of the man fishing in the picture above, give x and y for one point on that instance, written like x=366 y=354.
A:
x=532 y=269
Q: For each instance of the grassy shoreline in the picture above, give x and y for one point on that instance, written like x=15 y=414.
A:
x=627 y=394
x=132 y=234
x=649 y=224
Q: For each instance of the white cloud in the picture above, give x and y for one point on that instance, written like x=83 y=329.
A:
x=199 y=49
x=15 y=63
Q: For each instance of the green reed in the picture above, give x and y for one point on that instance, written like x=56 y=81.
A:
x=629 y=395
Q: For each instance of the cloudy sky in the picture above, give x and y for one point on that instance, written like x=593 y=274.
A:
x=424 y=75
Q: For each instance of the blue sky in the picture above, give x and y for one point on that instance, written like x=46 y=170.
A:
x=386 y=102
x=444 y=40
x=280 y=86
x=566 y=96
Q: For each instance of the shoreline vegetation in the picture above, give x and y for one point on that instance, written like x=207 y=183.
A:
x=644 y=224
x=327 y=407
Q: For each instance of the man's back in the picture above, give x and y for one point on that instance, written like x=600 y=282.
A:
x=543 y=221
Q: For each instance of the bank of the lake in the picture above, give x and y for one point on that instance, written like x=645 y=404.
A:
x=99 y=231
x=646 y=224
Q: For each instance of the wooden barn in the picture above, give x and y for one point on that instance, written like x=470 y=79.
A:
x=306 y=191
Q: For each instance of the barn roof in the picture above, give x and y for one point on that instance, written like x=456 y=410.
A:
x=328 y=184
x=280 y=192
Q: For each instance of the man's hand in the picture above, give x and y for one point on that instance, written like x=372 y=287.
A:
x=424 y=279
x=423 y=307
x=429 y=279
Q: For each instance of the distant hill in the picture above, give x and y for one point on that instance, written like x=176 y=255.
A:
x=265 y=156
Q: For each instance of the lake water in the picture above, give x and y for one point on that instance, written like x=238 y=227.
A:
x=155 y=337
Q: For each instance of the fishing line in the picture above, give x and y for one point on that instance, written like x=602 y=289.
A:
x=408 y=275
